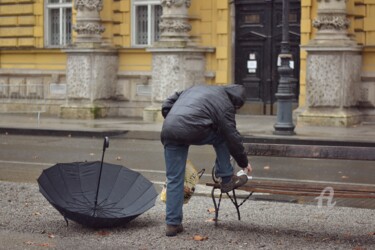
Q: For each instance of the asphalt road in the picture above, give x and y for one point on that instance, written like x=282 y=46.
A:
x=23 y=158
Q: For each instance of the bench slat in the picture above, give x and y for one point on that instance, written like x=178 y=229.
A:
x=305 y=189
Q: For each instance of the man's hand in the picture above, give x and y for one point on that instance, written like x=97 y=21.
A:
x=248 y=170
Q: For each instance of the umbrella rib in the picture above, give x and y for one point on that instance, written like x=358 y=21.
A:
x=117 y=175
x=139 y=175
x=55 y=187
x=131 y=185
x=80 y=183
x=63 y=178
x=140 y=196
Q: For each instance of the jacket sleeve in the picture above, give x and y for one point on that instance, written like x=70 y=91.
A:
x=168 y=103
x=228 y=130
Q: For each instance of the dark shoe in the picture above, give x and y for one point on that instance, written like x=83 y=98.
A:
x=235 y=182
x=173 y=230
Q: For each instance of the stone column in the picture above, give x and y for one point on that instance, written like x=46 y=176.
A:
x=176 y=62
x=333 y=70
x=91 y=67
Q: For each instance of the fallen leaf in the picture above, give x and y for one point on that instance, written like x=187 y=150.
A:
x=31 y=243
x=103 y=233
x=200 y=238
x=37 y=213
x=211 y=220
x=266 y=167
x=51 y=236
x=211 y=210
x=359 y=248
x=372 y=233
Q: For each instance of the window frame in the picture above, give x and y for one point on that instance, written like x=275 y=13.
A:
x=150 y=24
x=47 y=35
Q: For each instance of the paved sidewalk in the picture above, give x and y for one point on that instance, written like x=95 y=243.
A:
x=249 y=127
x=28 y=221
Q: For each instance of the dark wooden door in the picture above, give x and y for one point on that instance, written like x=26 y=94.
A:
x=258 y=35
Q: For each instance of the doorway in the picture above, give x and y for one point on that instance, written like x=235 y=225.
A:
x=258 y=34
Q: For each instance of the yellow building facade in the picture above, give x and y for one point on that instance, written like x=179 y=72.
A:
x=36 y=36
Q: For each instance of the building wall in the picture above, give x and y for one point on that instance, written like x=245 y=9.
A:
x=22 y=51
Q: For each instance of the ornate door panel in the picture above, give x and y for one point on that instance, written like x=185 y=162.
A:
x=257 y=46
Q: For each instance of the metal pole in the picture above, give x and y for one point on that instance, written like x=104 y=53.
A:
x=284 y=124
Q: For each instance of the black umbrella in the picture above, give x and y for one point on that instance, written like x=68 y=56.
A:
x=97 y=194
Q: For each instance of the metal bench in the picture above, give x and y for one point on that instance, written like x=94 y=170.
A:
x=295 y=187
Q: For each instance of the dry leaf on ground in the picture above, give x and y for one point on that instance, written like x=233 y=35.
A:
x=103 y=233
x=31 y=243
x=211 y=210
x=200 y=238
x=211 y=220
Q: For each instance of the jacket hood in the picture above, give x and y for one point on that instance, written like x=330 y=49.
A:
x=236 y=94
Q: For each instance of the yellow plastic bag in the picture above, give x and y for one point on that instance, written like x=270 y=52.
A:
x=192 y=177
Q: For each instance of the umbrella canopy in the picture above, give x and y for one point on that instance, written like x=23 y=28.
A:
x=97 y=194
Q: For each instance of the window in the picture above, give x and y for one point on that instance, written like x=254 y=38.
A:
x=58 y=23
x=145 y=22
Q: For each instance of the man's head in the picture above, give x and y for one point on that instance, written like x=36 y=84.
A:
x=236 y=94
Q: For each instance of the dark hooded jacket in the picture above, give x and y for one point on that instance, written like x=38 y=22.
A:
x=191 y=115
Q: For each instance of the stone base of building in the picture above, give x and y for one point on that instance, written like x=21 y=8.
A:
x=152 y=114
x=330 y=117
x=83 y=112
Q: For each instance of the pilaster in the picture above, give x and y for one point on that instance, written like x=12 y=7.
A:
x=91 y=66
x=177 y=63
x=333 y=70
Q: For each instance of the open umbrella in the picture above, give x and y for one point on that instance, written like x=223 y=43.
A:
x=97 y=194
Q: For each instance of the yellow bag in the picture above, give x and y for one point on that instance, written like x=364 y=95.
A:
x=192 y=177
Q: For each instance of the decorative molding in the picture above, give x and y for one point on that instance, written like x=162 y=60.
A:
x=331 y=22
x=89 y=29
x=174 y=26
x=327 y=1
x=89 y=4
x=177 y=3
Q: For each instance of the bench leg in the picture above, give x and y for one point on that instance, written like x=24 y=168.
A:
x=216 y=205
x=233 y=200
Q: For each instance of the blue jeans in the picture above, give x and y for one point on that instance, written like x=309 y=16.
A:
x=175 y=160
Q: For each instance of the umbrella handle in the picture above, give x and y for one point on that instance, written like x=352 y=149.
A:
x=106 y=143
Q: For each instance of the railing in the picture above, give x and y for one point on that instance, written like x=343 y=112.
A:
x=23 y=98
